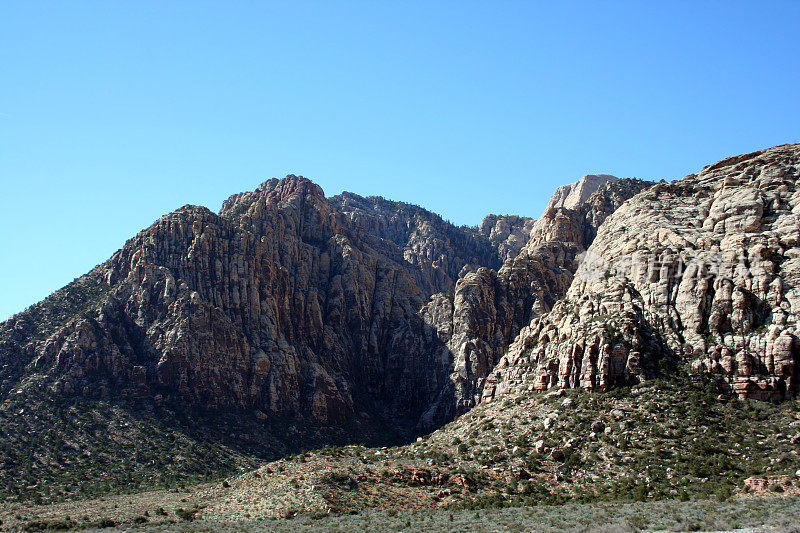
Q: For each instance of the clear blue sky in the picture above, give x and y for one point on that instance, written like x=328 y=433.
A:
x=114 y=113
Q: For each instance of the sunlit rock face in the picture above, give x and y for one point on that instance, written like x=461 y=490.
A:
x=488 y=309
x=703 y=270
x=575 y=194
x=362 y=312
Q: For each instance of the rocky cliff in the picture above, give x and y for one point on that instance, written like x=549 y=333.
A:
x=701 y=271
x=507 y=233
x=380 y=316
x=280 y=305
x=489 y=307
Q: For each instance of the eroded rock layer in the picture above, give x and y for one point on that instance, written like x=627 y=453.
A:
x=489 y=308
x=284 y=304
x=702 y=270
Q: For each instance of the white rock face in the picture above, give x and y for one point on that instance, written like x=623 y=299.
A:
x=572 y=195
x=489 y=307
x=704 y=270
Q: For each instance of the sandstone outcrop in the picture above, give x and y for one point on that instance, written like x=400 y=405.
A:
x=282 y=304
x=489 y=308
x=703 y=270
x=351 y=311
x=507 y=233
x=572 y=195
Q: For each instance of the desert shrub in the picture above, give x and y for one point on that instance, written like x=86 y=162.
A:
x=104 y=523
x=62 y=524
x=187 y=514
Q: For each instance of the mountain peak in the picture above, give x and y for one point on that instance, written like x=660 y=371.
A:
x=291 y=185
x=572 y=195
x=276 y=190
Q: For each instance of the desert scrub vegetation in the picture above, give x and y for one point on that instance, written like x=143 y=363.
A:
x=670 y=440
x=59 y=448
x=666 y=515
x=663 y=439
x=40 y=320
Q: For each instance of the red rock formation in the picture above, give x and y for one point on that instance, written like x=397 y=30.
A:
x=282 y=304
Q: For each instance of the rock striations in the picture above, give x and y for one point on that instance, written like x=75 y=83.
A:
x=291 y=305
x=281 y=304
x=703 y=270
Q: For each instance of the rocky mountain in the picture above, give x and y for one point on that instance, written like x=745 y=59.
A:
x=702 y=270
x=280 y=305
x=490 y=307
x=290 y=321
x=289 y=304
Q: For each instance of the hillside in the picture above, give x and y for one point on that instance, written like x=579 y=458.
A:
x=664 y=442
x=287 y=309
x=299 y=354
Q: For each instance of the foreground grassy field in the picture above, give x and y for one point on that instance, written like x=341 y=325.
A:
x=752 y=514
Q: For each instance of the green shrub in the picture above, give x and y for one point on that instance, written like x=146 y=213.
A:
x=186 y=514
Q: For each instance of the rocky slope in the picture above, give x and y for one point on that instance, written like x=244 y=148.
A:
x=281 y=305
x=490 y=307
x=671 y=441
x=702 y=270
x=290 y=320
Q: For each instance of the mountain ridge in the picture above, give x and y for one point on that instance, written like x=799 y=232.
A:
x=290 y=321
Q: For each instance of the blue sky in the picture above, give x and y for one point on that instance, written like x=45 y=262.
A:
x=114 y=113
